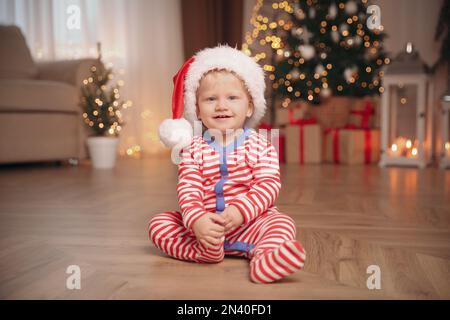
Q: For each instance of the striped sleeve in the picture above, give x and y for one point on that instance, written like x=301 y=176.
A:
x=265 y=187
x=190 y=189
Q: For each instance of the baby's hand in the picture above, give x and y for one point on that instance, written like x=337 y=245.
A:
x=233 y=218
x=209 y=229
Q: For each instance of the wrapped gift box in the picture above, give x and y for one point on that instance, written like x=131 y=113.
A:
x=304 y=142
x=333 y=112
x=295 y=110
x=351 y=145
x=363 y=113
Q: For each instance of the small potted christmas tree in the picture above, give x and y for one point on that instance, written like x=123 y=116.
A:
x=102 y=106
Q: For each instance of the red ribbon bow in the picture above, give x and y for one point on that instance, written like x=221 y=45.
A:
x=365 y=114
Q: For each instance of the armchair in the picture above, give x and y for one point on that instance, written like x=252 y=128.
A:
x=40 y=117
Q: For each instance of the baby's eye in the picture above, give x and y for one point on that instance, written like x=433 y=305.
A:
x=210 y=98
x=233 y=97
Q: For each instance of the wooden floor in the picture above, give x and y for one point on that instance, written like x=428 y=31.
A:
x=347 y=218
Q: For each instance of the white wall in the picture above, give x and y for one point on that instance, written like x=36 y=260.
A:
x=416 y=21
x=411 y=20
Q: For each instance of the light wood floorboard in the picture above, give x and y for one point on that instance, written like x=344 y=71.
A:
x=348 y=217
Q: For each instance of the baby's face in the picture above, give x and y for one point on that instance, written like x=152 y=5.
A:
x=223 y=101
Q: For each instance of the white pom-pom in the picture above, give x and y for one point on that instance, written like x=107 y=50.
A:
x=175 y=132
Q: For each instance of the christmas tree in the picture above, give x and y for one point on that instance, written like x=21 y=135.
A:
x=262 y=41
x=328 y=49
x=101 y=102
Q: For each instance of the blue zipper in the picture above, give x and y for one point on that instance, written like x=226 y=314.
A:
x=218 y=188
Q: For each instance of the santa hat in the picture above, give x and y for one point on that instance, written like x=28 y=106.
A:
x=178 y=131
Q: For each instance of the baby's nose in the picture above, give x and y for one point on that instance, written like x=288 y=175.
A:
x=221 y=105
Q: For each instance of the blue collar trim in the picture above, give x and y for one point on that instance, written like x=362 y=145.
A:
x=232 y=146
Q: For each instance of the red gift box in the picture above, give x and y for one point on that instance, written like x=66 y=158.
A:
x=304 y=141
x=298 y=109
x=351 y=145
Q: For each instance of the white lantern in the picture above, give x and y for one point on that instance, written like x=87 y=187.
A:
x=445 y=132
x=406 y=113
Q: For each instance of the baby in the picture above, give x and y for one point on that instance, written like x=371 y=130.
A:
x=228 y=177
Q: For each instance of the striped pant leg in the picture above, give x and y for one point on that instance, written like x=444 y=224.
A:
x=277 y=253
x=168 y=233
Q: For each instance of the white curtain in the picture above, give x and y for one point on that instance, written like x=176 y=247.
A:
x=141 y=40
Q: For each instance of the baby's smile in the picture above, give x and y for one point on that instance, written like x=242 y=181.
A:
x=222 y=117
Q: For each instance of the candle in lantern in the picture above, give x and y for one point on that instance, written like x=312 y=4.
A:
x=412 y=151
x=403 y=147
x=401 y=142
x=408 y=151
x=408 y=144
x=394 y=147
x=447 y=149
x=395 y=151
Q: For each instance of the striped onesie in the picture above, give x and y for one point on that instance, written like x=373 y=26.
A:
x=245 y=174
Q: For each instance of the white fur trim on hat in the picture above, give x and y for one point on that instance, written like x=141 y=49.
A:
x=225 y=57
x=176 y=132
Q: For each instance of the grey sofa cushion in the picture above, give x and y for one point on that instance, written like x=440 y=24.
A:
x=15 y=57
x=38 y=95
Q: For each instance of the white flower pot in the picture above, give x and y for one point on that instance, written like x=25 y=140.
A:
x=103 y=151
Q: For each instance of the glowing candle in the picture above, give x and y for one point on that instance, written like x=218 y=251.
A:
x=447 y=149
x=395 y=151
x=408 y=144
x=394 y=147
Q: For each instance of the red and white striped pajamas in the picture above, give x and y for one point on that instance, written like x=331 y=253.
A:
x=244 y=174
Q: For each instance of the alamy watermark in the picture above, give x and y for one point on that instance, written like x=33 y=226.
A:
x=374 y=280
x=73 y=21
x=74 y=280
x=374 y=17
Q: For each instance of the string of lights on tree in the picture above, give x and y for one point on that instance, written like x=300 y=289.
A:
x=102 y=105
x=320 y=48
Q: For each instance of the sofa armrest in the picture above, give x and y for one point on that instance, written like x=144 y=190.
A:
x=69 y=71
